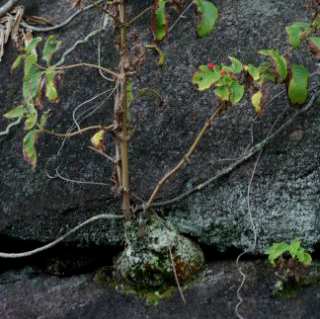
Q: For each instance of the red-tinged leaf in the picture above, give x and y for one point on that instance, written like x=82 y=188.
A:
x=159 y=21
x=279 y=63
x=208 y=15
x=314 y=47
x=29 y=150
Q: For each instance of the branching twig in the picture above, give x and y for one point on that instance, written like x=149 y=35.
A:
x=186 y=157
x=60 y=25
x=90 y=65
x=254 y=150
x=67 y=135
x=7 y=7
x=77 y=181
x=60 y=239
x=104 y=155
x=7 y=130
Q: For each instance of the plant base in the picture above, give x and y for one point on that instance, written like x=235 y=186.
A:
x=149 y=263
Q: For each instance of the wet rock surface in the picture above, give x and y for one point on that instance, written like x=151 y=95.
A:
x=285 y=191
x=28 y=293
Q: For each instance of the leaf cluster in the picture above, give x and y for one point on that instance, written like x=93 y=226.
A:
x=294 y=250
x=34 y=78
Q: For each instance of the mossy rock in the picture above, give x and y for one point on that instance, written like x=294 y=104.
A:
x=146 y=264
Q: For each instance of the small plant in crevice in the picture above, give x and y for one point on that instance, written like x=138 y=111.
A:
x=293 y=267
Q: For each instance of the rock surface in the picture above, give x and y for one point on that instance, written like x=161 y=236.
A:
x=24 y=293
x=285 y=198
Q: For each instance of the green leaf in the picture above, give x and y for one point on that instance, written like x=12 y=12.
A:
x=204 y=78
x=294 y=247
x=279 y=62
x=304 y=258
x=237 y=91
x=223 y=92
x=298 y=84
x=43 y=120
x=294 y=36
x=29 y=151
x=31 y=83
x=254 y=72
x=276 y=250
x=51 y=91
x=295 y=31
x=159 y=22
x=160 y=52
x=30 y=61
x=153 y=92
x=236 y=65
x=18 y=61
x=50 y=47
x=208 y=15
x=314 y=46
x=17 y=112
x=31 y=117
x=32 y=45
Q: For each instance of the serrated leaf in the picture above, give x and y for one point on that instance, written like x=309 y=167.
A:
x=160 y=52
x=276 y=250
x=50 y=47
x=294 y=247
x=304 y=258
x=29 y=150
x=279 y=62
x=298 y=84
x=152 y=92
x=314 y=46
x=97 y=140
x=31 y=117
x=159 y=21
x=204 y=78
x=17 y=112
x=208 y=15
x=30 y=48
x=237 y=91
x=236 y=65
x=51 y=91
x=18 y=61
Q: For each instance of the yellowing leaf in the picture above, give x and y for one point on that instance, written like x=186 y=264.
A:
x=17 y=112
x=256 y=102
x=159 y=51
x=18 y=61
x=97 y=140
x=208 y=15
x=29 y=150
x=51 y=91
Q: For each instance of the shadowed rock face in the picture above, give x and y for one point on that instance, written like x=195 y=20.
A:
x=26 y=294
x=285 y=190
